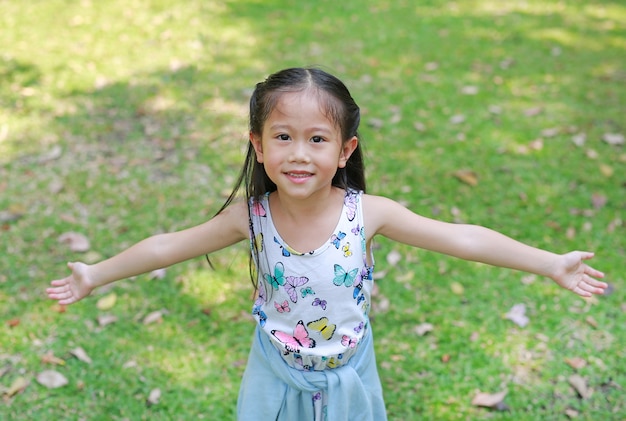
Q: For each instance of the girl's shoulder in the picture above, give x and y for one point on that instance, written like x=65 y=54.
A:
x=380 y=212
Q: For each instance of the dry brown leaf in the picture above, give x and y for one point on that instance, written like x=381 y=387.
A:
x=550 y=132
x=606 y=170
x=489 y=400
x=469 y=90
x=13 y=322
x=18 y=385
x=457 y=288
x=576 y=362
x=579 y=139
x=81 y=355
x=571 y=413
x=613 y=138
x=158 y=274
x=591 y=322
x=154 y=317
x=49 y=358
x=467 y=176
x=394 y=257
x=423 y=328
x=580 y=386
x=75 y=241
x=154 y=397
x=51 y=379
x=517 y=315
x=531 y=112
x=457 y=119
x=598 y=200
x=107 y=302
x=106 y=319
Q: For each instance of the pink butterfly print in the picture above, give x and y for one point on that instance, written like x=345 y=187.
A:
x=282 y=308
x=321 y=303
x=292 y=282
x=258 y=209
x=299 y=339
x=348 y=341
x=350 y=202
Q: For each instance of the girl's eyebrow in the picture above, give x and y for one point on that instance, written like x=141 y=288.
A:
x=316 y=129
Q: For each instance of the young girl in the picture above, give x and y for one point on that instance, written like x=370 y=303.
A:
x=310 y=227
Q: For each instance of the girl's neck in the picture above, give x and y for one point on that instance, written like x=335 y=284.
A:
x=307 y=224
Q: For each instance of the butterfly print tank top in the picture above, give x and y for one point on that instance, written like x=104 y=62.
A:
x=313 y=305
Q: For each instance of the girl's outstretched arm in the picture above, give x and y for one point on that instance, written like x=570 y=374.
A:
x=159 y=251
x=471 y=242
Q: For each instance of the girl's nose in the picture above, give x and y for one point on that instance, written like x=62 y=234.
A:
x=299 y=152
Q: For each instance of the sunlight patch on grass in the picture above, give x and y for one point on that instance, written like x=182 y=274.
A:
x=210 y=287
x=567 y=38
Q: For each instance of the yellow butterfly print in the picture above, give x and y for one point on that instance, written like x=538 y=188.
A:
x=346 y=250
x=323 y=327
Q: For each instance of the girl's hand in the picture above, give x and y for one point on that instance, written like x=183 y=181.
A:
x=73 y=288
x=572 y=273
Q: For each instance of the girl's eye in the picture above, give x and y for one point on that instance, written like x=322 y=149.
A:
x=317 y=139
x=283 y=137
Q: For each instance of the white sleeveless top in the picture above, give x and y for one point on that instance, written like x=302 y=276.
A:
x=313 y=306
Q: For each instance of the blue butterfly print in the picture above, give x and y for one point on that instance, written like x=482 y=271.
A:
x=283 y=249
x=262 y=316
x=357 y=289
x=344 y=278
x=279 y=276
x=335 y=240
x=307 y=291
x=360 y=299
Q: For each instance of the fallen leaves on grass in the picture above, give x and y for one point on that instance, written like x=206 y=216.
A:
x=423 y=328
x=81 y=355
x=468 y=177
x=613 y=138
x=49 y=358
x=51 y=379
x=579 y=384
x=153 y=397
x=394 y=257
x=576 y=362
x=153 y=317
x=158 y=274
x=18 y=386
x=457 y=288
x=517 y=314
x=491 y=400
x=107 y=302
x=75 y=241
x=106 y=319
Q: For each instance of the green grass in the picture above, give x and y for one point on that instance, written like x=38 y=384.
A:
x=122 y=119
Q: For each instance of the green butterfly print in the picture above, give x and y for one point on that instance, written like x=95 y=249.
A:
x=279 y=276
x=345 y=278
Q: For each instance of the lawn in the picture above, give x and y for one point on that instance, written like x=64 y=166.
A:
x=123 y=119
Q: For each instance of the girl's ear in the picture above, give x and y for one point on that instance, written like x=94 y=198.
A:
x=258 y=147
x=346 y=151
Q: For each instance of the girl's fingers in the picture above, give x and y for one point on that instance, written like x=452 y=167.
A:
x=58 y=282
x=592 y=272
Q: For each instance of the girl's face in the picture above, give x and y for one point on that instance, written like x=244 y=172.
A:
x=300 y=147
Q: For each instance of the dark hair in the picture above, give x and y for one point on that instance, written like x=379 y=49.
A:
x=340 y=108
